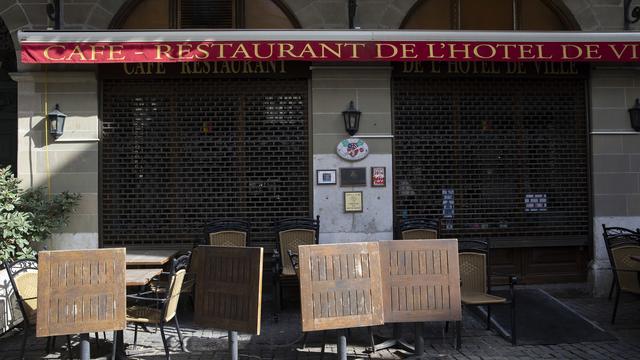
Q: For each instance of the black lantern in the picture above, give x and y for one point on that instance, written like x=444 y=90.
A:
x=351 y=119
x=56 y=122
x=634 y=115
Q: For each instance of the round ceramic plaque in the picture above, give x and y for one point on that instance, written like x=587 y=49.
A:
x=353 y=149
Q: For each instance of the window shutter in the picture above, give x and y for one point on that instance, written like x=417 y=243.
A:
x=206 y=14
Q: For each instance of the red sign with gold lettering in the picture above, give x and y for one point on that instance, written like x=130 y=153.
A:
x=126 y=52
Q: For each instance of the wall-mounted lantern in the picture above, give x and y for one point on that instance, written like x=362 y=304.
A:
x=56 y=122
x=634 y=115
x=351 y=119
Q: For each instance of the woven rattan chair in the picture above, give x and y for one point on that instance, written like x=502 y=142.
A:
x=162 y=311
x=475 y=285
x=419 y=229
x=290 y=234
x=23 y=276
x=162 y=284
x=614 y=237
x=626 y=271
x=227 y=232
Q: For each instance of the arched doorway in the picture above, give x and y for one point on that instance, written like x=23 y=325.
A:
x=507 y=143
x=8 y=101
x=185 y=143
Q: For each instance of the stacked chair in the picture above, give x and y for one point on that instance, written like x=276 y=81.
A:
x=227 y=232
x=621 y=244
x=419 y=229
x=290 y=233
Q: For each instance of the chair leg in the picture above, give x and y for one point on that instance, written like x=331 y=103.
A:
x=175 y=318
x=613 y=285
x=513 y=323
x=164 y=342
x=446 y=326
x=488 y=317
x=97 y=341
x=304 y=340
x=69 y=348
x=53 y=342
x=24 y=340
x=324 y=342
x=47 y=349
x=615 y=306
x=371 y=339
x=114 y=346
x=458 y=335
x=135 y=335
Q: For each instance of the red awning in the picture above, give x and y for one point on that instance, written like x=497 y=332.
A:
x=92 y=47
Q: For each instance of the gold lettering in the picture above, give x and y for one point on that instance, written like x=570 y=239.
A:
x=592 y=51
x=224 y=68
x=241 y=49
x=526 y=51
x=247 y=68
x=431 y=52
x=116 y=50
x=236 y=67
x=160 y=69
x=185 y=68
x=260 y=67
x=256 y=51
x=541 y=56
x=336 y=52
x=203 y=53
x=379 y=48
x=163 y=51
x=505 y=47
x=283 y=69
x=435 y=67
x=408 y=51
x=287 y=48
x=477 y=52
x=565 y=51
x=355 y=49
x=127 y=70
x=95 y=51
x=308 y=49
x=453 y=51
x=184 y=50
x=220 y=47
x=77 y=51
x=45 y=53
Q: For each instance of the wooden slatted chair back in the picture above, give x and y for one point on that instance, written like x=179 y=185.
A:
x=420 y=280
x=81 y=291
x=340 y=286
x=228 y=287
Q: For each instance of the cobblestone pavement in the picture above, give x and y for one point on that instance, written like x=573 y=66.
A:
x=282 y=339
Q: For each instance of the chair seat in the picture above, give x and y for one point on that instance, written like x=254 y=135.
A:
x=144 y=314
x=473 y=298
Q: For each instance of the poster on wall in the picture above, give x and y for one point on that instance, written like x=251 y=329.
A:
x=378 y=176
x=353 y=177
x=353 y=149
x=353 y=201
x=535 y=202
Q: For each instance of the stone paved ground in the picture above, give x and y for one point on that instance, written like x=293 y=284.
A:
x=278 y=340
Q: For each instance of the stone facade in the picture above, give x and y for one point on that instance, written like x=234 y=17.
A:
x=73 y=160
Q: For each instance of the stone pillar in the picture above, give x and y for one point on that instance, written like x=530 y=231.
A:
x=333 y=87
x=71 y=161
x=616 y=163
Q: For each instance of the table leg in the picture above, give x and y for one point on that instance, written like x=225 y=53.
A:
x=85 y=347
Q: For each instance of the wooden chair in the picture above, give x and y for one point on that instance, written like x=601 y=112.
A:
x=475 y=284
x=419 y=229
x=162 y=311
x=621 y=244
x=227 y=232
x=290 y=233
x=23 y=275
x=614 y=237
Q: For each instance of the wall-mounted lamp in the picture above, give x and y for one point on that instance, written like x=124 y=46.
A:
x=351 y=118
x=634 y=115
x=56 y=122
x=635 y=14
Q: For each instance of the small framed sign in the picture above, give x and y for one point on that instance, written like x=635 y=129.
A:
x=378 y=176
x=353 y=201
x=353 y=177
x=326 y=177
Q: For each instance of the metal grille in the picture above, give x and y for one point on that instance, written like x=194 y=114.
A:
x=177 y=153
x=206 y=14
x=497 y=143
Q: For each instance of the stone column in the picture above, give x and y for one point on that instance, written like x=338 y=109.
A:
x=69 y=163
x=333 y=87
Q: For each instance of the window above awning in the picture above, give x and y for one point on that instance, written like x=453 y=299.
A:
x=93 y=47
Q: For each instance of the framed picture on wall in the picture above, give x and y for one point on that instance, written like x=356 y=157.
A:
x=353 y=202
x=353 y=177
x=378 y=176
x=326 y=177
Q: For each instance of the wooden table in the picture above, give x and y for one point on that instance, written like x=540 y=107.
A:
x=141 y=277
x=137 y=257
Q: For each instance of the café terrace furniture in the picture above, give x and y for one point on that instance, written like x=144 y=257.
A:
x=141 y=277
x=622 y=244
x=142 y=257
x=290 y=233
x=181 y=262
x=160 y=311
x=615 y=236
x=23 y=276
x=419 y=229
x=475 y=281
x=227 y=232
